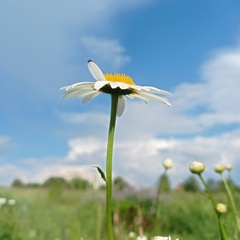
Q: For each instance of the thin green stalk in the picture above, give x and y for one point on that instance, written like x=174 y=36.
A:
x=208 y=191
x=221 y=227
x=158 y=195
x=99 y=220
x=232 y=202
x=114 y=103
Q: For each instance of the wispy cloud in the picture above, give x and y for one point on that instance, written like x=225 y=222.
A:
x=41 y=43
x=83 y=147
x=221 y=74
x=106 y=51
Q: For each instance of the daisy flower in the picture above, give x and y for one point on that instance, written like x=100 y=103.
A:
x=120 y=84
x=119 y=87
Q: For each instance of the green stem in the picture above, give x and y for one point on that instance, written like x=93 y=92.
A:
x=208 y=191
x=114 y=103
x=158 y=195
x=221 y=228
x=230 y=196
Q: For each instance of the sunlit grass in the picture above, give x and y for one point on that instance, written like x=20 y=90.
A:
x=69 y=214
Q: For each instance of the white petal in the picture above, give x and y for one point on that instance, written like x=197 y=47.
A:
x=90 y=96
x=114 y=84
x=99 y=84
x=150 y=96
x=81 y=84
x=136 y=87
x=121 y=106
x=78 y=93
x=123 y=85
x=96 y=71
x=139 y=97
x=131 y=96
x=79 y=89
x=155 y=90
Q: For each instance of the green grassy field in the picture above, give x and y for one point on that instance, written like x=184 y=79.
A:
x=64 y=214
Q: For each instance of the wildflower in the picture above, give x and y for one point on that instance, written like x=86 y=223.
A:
x=219 y=168
x=168 y=163
x=197 y=167
x=122 y=85
x=132 y=235
x=141 y=238
x=119 y=87
x=11 y=202
x=221 y=208
x=162 y=238
x=2 y=201
x=228 y=167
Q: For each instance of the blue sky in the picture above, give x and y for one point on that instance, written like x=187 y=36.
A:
x=190 y=48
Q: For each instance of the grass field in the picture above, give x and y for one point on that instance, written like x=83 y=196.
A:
x=65 y=214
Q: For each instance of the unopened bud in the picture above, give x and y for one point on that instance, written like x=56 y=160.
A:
x=197 y=167
x=221 y=208
x=132 y=235
x=228 y=167
x=168 y=163
x=219 y=168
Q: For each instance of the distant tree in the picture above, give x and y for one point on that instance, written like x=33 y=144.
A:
x=79 y=183
x=17 y=183
x=33 y=185
x=212 y=184
x=164 y=184
x=191 y=184
x=218 y=186
x=56 y=186
x=119 y=184
x=55 y=182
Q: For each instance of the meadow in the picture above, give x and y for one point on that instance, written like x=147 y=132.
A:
x=59 y=213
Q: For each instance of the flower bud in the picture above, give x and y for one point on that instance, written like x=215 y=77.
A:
x=221 y=208
x=11 y=202
x=168 y=163
x=2 y=201
x=197 y=167
x=132 y=235
x=219 y=168
x=228 y=167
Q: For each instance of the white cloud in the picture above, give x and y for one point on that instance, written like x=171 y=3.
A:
x=38 y=173
x=221 y=74
x=68 y=172
x=8 y=172
x=106 y=50
x=139 y=160
x=83 y=147
x=41 y=43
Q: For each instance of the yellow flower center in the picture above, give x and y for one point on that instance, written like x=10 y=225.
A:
x=119 y=78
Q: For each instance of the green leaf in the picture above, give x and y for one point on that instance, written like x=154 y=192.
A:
x=101 y=173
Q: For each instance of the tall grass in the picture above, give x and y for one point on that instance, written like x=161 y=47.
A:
x=61 y=214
